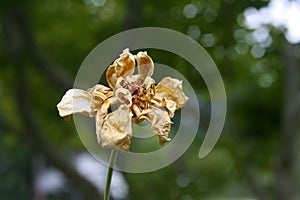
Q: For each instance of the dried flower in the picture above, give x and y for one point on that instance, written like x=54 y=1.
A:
x=136 y=96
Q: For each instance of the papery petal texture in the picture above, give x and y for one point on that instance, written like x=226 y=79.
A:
x=171 y=89
x=76 y=101
x=121 y=67
x=148 y=87
x=124 y=96
x=115 y=133
x=145 y=64
x=99 y=94
x=170 y=105
x=160 y=123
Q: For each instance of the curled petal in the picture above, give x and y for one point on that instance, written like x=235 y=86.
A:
x=149 y=81
x=76 y=101
x=148 y=87
x=160 y=123
x=103 y=111
x=99 y=94
x=115 y=132
x=170 y=105
x=124 y=96
x=145 y=64
x=171 y=89
x=123 y=66
x=134 y=79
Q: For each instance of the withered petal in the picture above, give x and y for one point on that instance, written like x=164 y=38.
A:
x=149 y=81
x=123 y=66
x=148 y=87
x=160 y=123
x=134 y=79
x=115 y=132
x=103 y=111
x=99 y=94
x=76 y=101
x=124 y=96
x=171 y=89
x=145 y=64
x=170 y=105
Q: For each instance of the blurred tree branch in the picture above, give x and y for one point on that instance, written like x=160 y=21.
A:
x=18 y=32
x=41 y=145
x=20 y=46
x=256 y=186
x=134 y=13
x=290 y=121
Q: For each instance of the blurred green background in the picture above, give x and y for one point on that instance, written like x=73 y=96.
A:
x=42 y=45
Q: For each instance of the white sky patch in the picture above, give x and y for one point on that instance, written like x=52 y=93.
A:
x=96 y=172
x=283 y=14
x=51 y=180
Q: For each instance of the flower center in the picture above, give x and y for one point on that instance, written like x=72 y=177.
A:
x=136 y=92
x=136 y=89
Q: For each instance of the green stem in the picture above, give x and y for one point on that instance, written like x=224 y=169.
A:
x=112 y=160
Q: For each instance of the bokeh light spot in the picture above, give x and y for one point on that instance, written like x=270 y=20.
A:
x=190 y=11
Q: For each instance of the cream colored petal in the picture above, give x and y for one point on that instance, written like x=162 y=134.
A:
x=103 y=111
x=149 y=81
x=148 y=87
x=170 y=105
x=131 y=83
x=124 y=96
x=76 y=101
x=145 y=64
x=121 y=83
x=135 y=79
x=99 y=94
x=111 y=76
x=123 y=66
x=100 y=116
x=171 y=89
x=160 y=123
x=116 y=132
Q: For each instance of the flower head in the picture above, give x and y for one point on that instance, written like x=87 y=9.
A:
x=136 y=96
